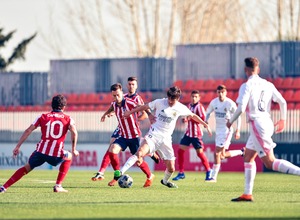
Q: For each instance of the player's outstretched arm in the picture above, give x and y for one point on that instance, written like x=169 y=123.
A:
x=199 y=120
x=137 y=109
x=151 y=117
x=209 y=130
x=24 y=136
x=237 y=134
x=74 y=137
x=280 y=125
x=108 y=113
x=143 y=116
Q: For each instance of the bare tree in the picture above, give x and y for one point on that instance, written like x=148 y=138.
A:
x=292 y=33
x=138 y=28
x=146 y=28
x=279 y=9
x=169 y=52
x=298 y=24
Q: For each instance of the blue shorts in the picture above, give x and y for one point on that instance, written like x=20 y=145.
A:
x=37 y=159
x=115 y=134
x=196 y=142
x=133 y=144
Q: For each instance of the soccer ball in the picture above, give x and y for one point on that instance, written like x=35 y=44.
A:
x=125 y=181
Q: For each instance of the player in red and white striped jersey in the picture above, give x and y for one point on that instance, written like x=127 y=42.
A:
x=54 y=127
x=193 y=135
x=129 y=132
x=132 y=86
x=128 y=127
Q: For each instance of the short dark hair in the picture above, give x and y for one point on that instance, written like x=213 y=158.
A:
x=195 y=92
x=58 y=102
x=174 y=93
x=115 y=87
x=132 y=78
x=251 y=62
x=221 y=87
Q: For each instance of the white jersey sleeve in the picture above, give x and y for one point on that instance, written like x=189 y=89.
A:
x=209 y=110
x=277 y=97
x=153 y=104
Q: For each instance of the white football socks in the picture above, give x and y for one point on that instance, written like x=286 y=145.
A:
x=285 y=166
x=250 y=173
x=215 y=171
x=234 y=153
x=129 y=163
x=167 y=176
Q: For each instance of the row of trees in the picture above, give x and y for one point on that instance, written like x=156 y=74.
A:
x=138 y=28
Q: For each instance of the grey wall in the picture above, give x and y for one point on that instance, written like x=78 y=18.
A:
x=86 y=76
x=209 y=61
x=23 y=88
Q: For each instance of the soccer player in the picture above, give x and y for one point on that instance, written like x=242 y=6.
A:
x=256 y=96
x=193 y=135
x=129 y=132
x=54 y=127
x=132 y=86
x=159 y=137
x=223 y=108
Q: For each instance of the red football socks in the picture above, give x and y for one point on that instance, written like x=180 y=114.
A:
x=63 y=170
x=181 y=160
x=204 y=160
x=15 y=177
x=114 y=159
x=105 y=162
x=145 y=168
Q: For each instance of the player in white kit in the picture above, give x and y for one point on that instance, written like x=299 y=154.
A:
x=159 y=137
x=255 y=97
x=223 y=107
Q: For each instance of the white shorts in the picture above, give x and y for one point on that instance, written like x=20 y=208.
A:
x=160 y=144
x=224 y=139
x=260 y=139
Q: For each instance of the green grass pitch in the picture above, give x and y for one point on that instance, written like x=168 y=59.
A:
x=277 y=196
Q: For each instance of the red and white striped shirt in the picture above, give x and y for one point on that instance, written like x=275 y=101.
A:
x=194 y=128
x=54 y=128
x=129 y=127
x=136 y=98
